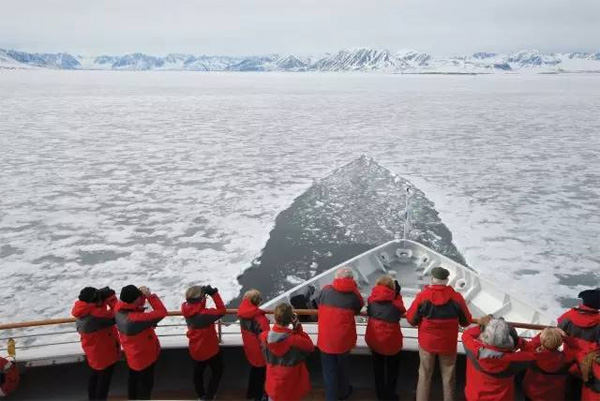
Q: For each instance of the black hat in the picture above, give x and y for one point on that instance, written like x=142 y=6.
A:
x=440 y=273
x=88 y=294
x=130 y=293
x=591 y=298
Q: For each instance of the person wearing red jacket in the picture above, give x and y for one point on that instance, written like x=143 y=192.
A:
x=9 y=376
x=383 y=336
x=493 y=360
x=338 y=303
x=203 y=340
x=95 y=323
x=590 y=372
x=582 y=324
x=437 y=311
x=285 y=352
x=138 y=338
x=547 y=378
x=253 y=322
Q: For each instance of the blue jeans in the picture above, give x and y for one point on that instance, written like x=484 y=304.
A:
x=335 y=375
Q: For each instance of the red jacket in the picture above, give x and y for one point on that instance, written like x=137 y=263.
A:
x=383 y=329
x=583 y=325
x=9 y=373
x=136 y=331
x=96 y=327
x=491 y=371
x=204 y=343
x=438 y=310
x=547 y=378
x=591 y=388
x=338 y=304
x=285 y=351
x=252 y=322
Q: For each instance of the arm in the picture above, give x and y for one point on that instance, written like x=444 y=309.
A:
x=301 y=340
x=470 y=342
x=263 y=322
x=158 y=313
x=413 y=315
x=464 y=315
x=219 y=309
x=361 y=302
x=532 y=344
x=399 y=304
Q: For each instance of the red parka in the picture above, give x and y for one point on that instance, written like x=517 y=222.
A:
x=547 y=378
x=204 y=343
x=252 y=322
x=591 y=388
x=338 y=304
x=96 y=327
x=285 y=351
x=491 y=371
x=582 y=324
x=136 y=331
x=438 y=310
x=9 y=373
x=383 y=329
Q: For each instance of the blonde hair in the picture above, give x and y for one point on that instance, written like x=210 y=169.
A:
x=254 y=296
x=551 y=339
x=386 y=280
x=283 y=314
x=587 y=364
x=194 y=292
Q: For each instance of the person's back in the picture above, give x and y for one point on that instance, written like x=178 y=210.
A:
x=583 y=324
x=285 y=352
x=437 y=311
x=492 y=361
x=590 y=371
x=338 y=304
x=547 y=378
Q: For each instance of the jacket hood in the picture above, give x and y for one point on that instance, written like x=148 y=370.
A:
x=344 y=284
x=382 y=293
x=583 y=316
x=81 y=309
x=440 y=294
x=191 y=308
x=551 y=361
x=128 y=307
x=276 y=340
x=247 y=310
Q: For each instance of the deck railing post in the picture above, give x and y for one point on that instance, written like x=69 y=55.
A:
x=220 y=330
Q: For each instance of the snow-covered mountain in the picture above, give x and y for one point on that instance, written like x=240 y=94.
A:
x=359 y=59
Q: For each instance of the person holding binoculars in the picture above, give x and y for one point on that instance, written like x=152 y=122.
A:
x=95 y=321
x=203 y=339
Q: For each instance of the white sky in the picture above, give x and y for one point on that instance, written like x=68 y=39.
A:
x=241 y=27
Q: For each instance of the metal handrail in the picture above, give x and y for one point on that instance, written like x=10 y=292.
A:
x=300 y=312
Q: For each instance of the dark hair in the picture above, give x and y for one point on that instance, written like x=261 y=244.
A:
x=283 y=314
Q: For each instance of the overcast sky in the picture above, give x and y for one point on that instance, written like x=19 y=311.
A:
x=242 y=27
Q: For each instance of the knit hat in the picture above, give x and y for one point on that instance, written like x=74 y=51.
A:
x=130 y=293
x=591 y=298
x=440 y=273
x=88 y=294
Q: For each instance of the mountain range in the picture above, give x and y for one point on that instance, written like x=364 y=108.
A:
x=358 y=59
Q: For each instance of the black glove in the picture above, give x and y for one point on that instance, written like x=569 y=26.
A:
x=105 y=293
x=515 y=336
x=397 y=288
x=210 y=290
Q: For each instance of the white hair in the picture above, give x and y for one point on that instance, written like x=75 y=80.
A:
x=497 y=334
x=437 y=281
x=344 y=272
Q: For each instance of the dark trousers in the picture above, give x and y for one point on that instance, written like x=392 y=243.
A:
x=256 y=383
x=140 y=383
x=335 y=376
x=215 y=364
x=385 y=369
x=573 y=389
x=99 y=383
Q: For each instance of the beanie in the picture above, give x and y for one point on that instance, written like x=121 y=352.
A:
x=88 y=294
x=130 y=293
x=591 y=298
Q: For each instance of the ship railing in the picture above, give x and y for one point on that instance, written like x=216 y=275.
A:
x=18 y=336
